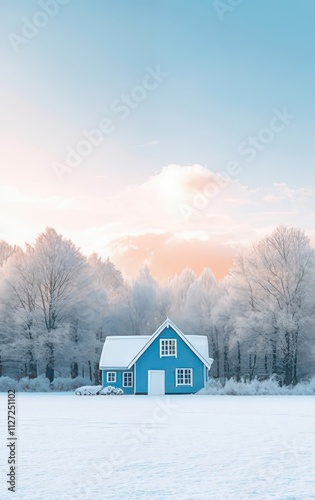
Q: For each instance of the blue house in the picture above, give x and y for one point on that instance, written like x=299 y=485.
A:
x=167 y=362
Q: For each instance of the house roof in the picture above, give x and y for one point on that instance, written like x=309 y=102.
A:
x=123 y=352
x=119 y=351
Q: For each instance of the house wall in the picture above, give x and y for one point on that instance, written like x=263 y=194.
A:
x=119 y=380
x=150 y=360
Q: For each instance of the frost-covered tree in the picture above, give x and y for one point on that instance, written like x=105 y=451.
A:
x=18 y=297
x=179 y=287
x=200 y=303
x=142 y=302
x=6 y=251
x=108 y=278
x=273 y=284
x=61 y=280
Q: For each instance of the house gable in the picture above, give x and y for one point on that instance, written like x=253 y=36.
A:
x=168 y=324
x=185 y=358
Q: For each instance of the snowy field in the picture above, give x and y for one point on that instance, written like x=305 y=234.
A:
x=185 y=447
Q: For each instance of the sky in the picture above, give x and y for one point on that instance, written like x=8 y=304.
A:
x=157 y=132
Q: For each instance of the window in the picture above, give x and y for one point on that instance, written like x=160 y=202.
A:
x=184 y=376
x=168 y=347
x=111 y=377
x=127 y=379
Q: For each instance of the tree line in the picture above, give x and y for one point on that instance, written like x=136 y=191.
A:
x=57 y=306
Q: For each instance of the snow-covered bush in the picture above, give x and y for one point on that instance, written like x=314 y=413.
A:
x=7 y=383
x=111 y=391
x=68 y=384
x=258 y=388
x=39 y=384
x=96 y=390
x=88 y=390
x=42 y=384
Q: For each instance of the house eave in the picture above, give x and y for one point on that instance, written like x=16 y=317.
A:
x=116 y=368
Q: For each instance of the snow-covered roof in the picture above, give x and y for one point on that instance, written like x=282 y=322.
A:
x=122 y=352
x=119 y=351
x=200 y=343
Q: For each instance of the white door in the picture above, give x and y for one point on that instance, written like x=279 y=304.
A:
x=156 y=382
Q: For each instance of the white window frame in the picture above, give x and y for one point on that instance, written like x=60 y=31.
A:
x=112 y=375
x=183 y=383
x=129 y=375
x=164 y=342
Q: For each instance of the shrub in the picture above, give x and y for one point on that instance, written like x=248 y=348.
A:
x=39 y=384
x=7 y=383
x=258 y=388
x=88 y=390
x=68 y=384
x=98 y=390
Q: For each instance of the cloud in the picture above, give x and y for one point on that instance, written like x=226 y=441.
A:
x=282 y=192
x=168 y=254
x=149 y=143
x=145 y=222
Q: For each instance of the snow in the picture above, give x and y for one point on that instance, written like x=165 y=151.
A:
x=98 y=390
x=119 y=351
x=173 y=447
x=88 y=390
x=200 y=343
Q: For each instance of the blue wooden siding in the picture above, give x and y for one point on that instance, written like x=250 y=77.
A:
x=119 y=380
x=150 y=360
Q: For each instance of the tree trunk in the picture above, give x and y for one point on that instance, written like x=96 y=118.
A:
x=90 y=371
x=252 y=366
x=238 y=367
x=274 y=357
x=288 y=365
x=295 y=379
x=295 y=360
x=1 y=367
x=266 y=364
x=50 y=368
x=32 y=366
x=288 y=372
x=216 y=351
x=32 y=369
x=74 y=369
x=226 y=361
x=50 y=373
x=97 y=375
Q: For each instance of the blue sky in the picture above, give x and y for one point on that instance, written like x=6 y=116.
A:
x=225 y=78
